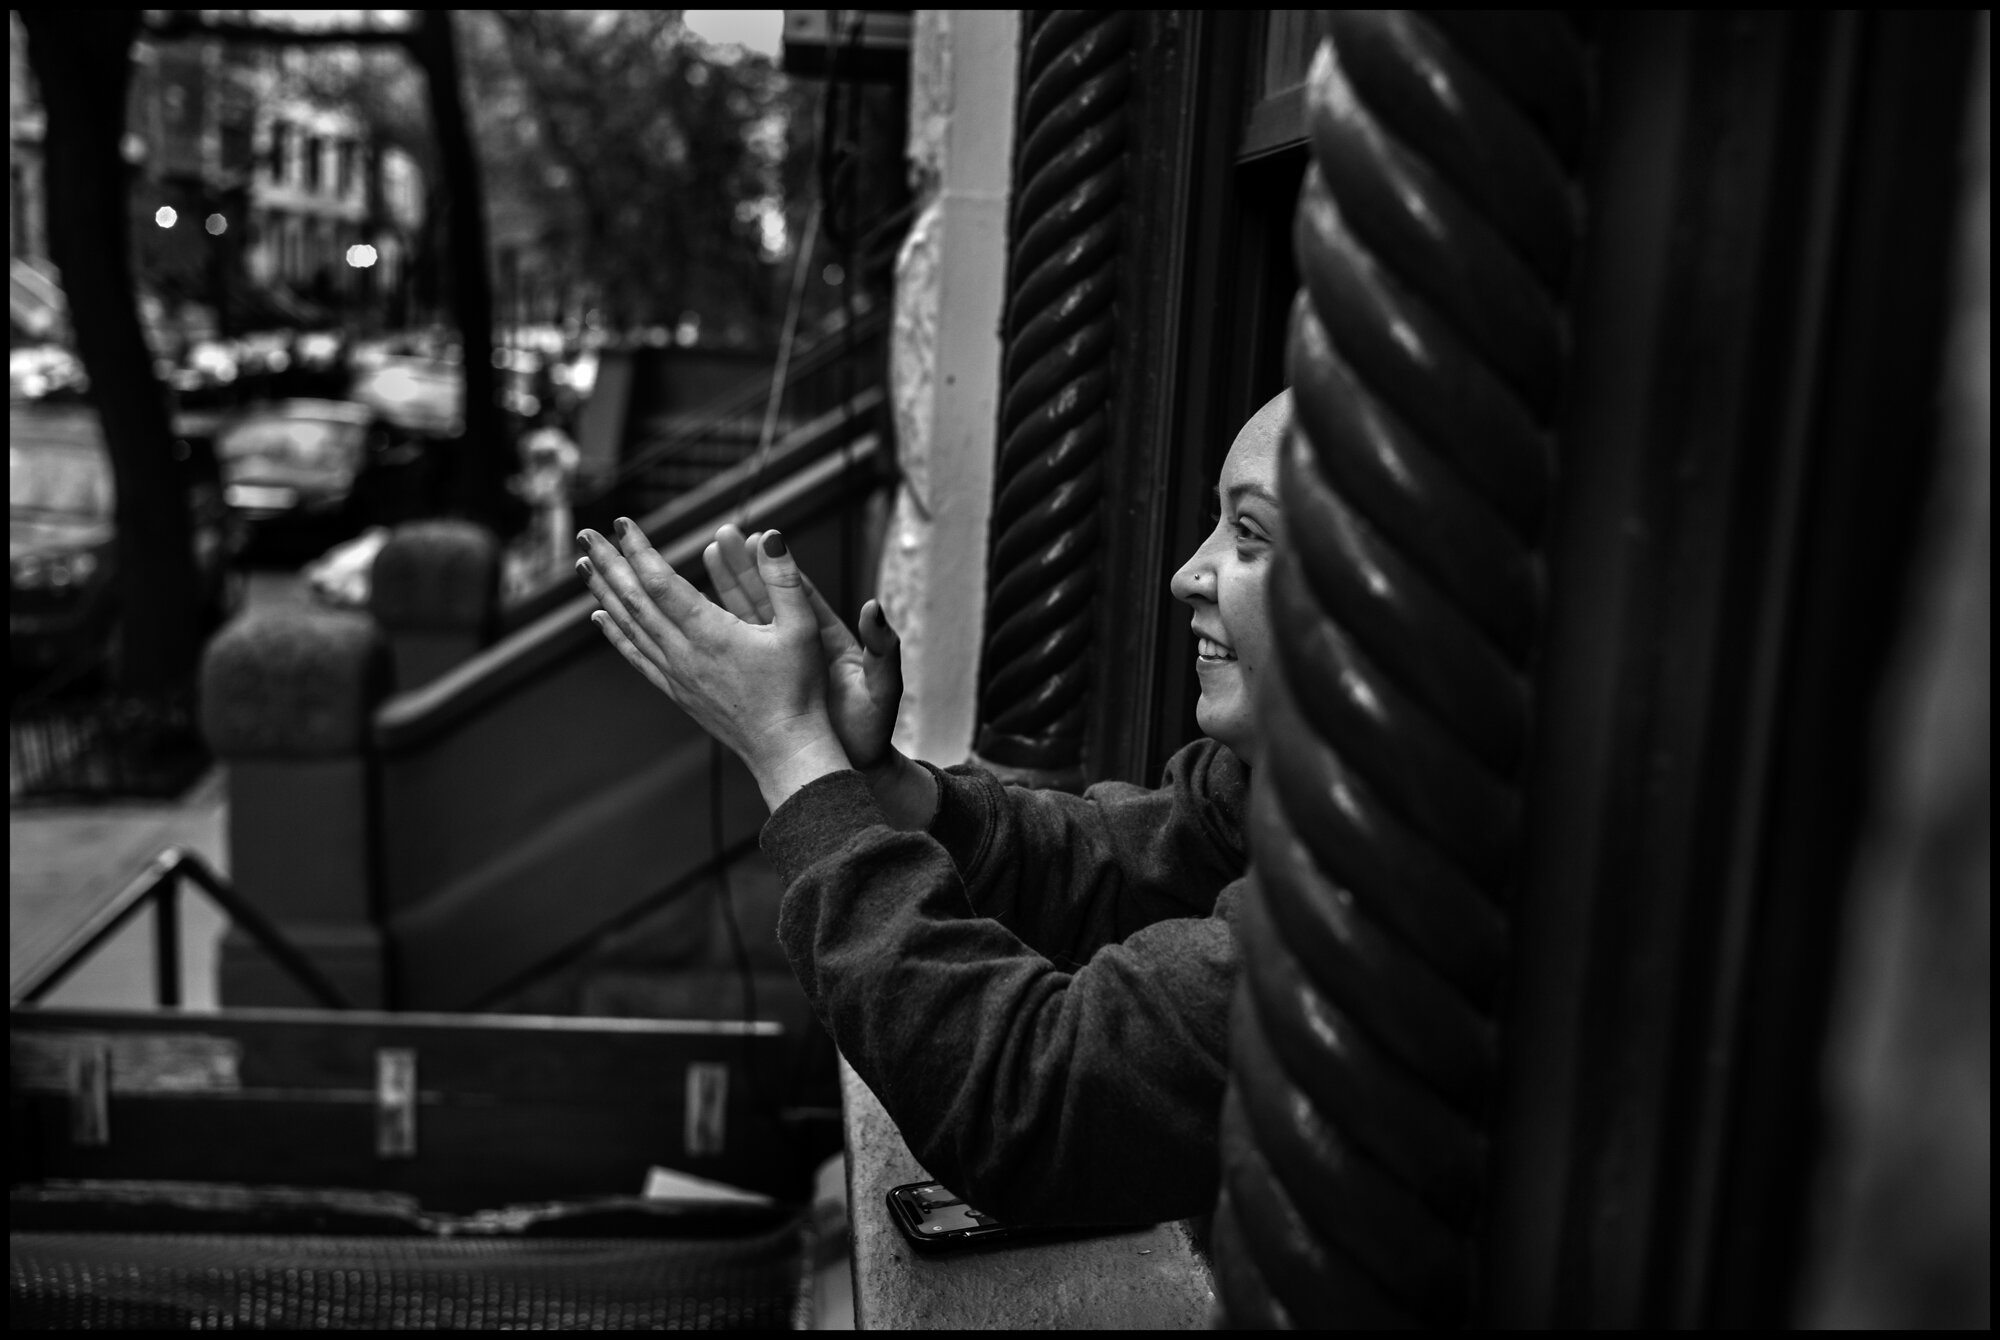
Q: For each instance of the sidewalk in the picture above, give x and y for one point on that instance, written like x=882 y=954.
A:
x=64 y=862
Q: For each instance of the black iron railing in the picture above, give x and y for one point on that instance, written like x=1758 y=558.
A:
x=580 y=951
x=159 y=886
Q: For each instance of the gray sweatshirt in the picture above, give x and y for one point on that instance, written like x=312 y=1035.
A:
x=1038 y=987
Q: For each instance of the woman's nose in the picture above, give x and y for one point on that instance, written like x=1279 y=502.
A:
x=1194 y=582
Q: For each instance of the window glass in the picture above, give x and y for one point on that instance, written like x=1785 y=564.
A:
x=1290 y=38
x=1275 y=118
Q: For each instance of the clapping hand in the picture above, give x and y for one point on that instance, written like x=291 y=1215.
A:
x=864 y=675
x=760 y=687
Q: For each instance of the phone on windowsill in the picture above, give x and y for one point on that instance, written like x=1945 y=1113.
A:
x=936 y=1219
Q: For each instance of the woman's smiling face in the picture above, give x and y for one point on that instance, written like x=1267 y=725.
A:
x=1224 y=581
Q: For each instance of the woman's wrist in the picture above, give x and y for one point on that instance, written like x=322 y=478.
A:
x=807 y=756
x=904 y=788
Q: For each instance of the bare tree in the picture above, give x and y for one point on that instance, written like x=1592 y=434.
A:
x=648 y=162
x=486 y=454
x=82 y=60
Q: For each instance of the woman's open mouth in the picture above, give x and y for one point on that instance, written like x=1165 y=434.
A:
x=1211 y=652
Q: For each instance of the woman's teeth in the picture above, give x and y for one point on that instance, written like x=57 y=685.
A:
x=1213 y=651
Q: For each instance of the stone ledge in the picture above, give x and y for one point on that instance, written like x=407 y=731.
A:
x=1146 y=1279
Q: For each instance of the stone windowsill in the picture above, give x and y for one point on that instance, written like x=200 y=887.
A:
x=1146 y=1279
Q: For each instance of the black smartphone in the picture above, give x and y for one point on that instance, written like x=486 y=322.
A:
x=935 y=1219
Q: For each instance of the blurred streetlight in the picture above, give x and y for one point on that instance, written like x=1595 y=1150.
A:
x=361 y=255
x=165 y=216
x=216 y=225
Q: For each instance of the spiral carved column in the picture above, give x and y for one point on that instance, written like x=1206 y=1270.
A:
x=1435 y=233
x=1069 y=187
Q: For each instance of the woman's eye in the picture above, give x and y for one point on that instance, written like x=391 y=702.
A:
x=1247 y=534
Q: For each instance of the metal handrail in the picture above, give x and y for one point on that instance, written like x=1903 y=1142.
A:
x=752 y=396
x=160 y=884
x=583 y=946
x=551 y=623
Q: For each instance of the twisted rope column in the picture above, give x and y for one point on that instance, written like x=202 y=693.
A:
x=1435 y=233
x=1054 y=422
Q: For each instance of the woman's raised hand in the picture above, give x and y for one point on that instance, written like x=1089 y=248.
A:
x=864 y=676
x=760 y=687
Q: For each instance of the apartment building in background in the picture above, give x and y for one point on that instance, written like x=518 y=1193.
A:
x=251 y=205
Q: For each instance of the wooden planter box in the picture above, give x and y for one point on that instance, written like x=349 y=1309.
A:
x=459 y=1112
x=292 y=1169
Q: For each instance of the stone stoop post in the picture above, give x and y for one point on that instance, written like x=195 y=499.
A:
x=435 y=590
x=288 y=698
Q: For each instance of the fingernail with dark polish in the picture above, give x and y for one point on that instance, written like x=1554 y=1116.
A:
x=583 y=566
x=774 y=544
x=583 y=537
x=625 y=526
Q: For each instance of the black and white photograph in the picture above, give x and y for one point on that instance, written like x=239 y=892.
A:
x=999 y=669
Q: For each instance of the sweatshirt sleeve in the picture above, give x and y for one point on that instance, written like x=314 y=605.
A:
x=1043 y=1096
x=1071 y=873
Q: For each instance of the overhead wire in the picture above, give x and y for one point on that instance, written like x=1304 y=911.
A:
x=774 y=403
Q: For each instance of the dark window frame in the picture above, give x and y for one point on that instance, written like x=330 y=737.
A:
x=1213 y=182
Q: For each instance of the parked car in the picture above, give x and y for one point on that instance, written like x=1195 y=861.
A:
x=426 y=395
x=291 y=469
x=263 y=352
x=413 y=393
x=209 y=376
x=44 y=371
x=62 y=549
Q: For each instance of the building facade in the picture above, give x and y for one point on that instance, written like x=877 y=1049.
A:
x=250 y=206
x=320 y=188
x=1619 y=346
